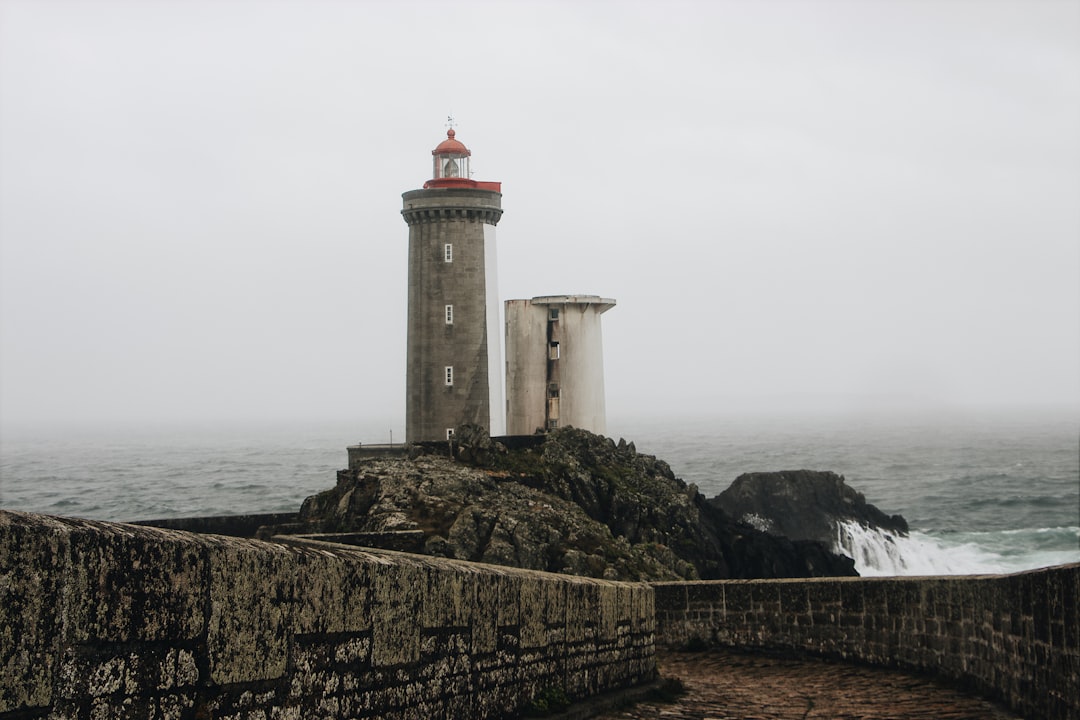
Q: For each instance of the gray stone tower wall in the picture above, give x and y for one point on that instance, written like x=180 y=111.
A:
x=549 y=386
x=464 y=218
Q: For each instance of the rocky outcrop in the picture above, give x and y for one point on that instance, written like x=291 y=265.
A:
x=574 y=503
x=802 y=505
x=480 y=515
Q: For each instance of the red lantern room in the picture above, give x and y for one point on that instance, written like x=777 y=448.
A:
x=451 y=159
x=450 y=162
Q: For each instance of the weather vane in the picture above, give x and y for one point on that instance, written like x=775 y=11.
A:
x=450 y=121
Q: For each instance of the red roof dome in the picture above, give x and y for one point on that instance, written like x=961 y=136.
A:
x=450 y=146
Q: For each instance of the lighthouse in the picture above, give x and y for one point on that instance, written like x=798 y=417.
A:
x=454 y=361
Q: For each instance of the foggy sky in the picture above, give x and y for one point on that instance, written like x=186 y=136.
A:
x=797 y=205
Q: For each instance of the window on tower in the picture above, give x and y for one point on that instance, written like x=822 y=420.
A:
x=554 y=314
x=449 y=433
x=449 y=375
x=449 y=314
x=553 y=351
x=448 y=252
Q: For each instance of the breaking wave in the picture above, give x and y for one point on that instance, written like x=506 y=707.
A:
x=878 y=552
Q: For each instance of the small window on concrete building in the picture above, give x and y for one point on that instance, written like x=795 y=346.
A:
x=449 y=374
x=553 y=390
x=449 y=433
x=553 y=314
x=552 y=424
x=448 y=252
x=449 y=314
x=553 y=351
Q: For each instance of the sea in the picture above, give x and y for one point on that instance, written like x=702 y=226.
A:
x=982 y=493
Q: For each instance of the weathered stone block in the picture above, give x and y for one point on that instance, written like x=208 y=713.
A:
x=876 y=594
x=397 y=600
x=333 y=592
x=129 y=582
x=851 y=597
x=608 y=611
x=485 y=614
x=172 y=707
x=644 y=616
x=904 y=596
x=543 y=617
x=33 y=563
x=130 y=669
x=671 y=597
x=738 y=600
x=704 y=594
x=794 y=598
x=509 y=604
x=582 y=606
x=252 y=591
x=936 y=599
x=449 y=600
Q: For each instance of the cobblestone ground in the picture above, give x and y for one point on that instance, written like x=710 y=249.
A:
x=727 y=686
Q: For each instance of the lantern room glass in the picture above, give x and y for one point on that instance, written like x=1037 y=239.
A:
x=451 y=165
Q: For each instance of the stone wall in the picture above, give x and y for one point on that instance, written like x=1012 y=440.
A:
x=1013 y=637
x=103 y=620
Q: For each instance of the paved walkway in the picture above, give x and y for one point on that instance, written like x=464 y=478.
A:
x=728 y=686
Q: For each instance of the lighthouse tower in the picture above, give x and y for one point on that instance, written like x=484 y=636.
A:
x=454 y=364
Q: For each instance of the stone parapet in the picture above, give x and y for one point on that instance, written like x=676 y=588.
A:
x=1013 y=638
x=123 y=621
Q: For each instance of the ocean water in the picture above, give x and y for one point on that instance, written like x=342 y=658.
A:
x=981 y=494
x=988 y=493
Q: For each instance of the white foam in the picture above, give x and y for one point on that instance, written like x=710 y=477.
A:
x=877 y=552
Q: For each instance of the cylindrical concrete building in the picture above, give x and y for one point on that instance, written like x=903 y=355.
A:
x=454 y=365
x=555 y=363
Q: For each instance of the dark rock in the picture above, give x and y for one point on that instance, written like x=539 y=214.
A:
x=802 y=505
x=638 y=497
x=480 y=515
x=575 y=503
x=473 y=445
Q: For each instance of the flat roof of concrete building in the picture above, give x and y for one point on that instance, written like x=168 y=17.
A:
x=573 y=300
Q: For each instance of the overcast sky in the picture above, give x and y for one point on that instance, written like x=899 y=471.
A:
x=797 y=205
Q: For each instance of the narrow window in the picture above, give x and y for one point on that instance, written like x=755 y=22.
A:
x=553 y=390
x=449 y=433
x=553 y=351
x=554 y=314
x=448 y=252
x=449 y=374
x=449 y=314
x=552 y=424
